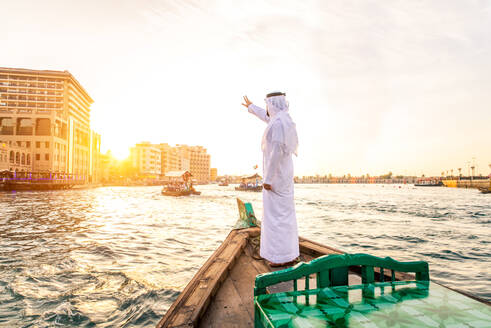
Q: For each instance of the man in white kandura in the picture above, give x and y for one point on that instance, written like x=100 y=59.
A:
x=279 y=235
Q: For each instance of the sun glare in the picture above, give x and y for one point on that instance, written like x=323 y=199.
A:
x=120 y=153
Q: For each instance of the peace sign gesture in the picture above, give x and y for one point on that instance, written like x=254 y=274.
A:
x=247 y=102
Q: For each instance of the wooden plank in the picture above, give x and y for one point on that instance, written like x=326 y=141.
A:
x=243 y=276
x=261 y=266
x=210 y=282
x=227 y=309
x=315 y=249
x=194 y=299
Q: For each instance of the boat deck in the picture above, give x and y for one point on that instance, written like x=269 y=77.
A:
x=238 y=286
x=221 y=293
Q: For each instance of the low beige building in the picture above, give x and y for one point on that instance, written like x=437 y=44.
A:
x=146 y=158
x=213 y=174
x=172 y=159
x=199 y=162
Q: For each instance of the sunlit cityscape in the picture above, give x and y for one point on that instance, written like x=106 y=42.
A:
x=266 y=164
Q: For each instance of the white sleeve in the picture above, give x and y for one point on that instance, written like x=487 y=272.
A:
x=273 y=163
x=259 y=112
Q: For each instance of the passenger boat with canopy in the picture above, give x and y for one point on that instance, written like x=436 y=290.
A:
x=223 y=183
x=328 y=288
x=250 y=183
x=428 y=183
x=178 y=183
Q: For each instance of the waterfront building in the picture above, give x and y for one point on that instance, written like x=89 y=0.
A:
x=4 y=157
x=173 y=159
x=169 y=158
x=178 y=158
x=20 y=157
x=213 y=174
x=146 y=159
x=199 y=161
x=107 y=165
x=14 y=157
x=184 y=161
x=48 y=114
x=95 y=157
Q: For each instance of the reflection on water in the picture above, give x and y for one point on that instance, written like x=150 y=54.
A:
x=120 y=255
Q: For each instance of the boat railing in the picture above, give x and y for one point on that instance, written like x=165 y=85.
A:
x=332 y=270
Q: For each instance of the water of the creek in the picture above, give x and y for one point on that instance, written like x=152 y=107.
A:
x=119 y=256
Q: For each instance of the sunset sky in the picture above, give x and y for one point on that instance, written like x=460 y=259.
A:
x=374 y=86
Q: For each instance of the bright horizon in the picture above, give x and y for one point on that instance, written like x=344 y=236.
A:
x=373 y=88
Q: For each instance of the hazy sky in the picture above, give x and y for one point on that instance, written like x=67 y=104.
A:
x=373 y=86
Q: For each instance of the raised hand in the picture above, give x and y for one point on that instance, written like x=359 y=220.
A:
x=247 y=102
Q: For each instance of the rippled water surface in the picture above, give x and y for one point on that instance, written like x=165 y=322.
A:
x=118 y=256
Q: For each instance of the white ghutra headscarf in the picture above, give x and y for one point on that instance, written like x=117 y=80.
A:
x=278 y=107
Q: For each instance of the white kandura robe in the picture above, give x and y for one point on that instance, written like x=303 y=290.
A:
x=279 y=233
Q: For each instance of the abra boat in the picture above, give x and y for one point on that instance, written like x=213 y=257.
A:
x=176 y=193
x=250 y=183
x=236 y=288
x=249 y=188
x=428 y=183
x=178 y=183
x=485 y=190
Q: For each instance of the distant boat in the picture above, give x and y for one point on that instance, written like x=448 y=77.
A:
x=428 y=183
x=249 y=188
x=485 y=190
x=250 y=183
x=170 y=191
x=194 y=191
x=223 y=183
x=178 y=184
x=176 y=193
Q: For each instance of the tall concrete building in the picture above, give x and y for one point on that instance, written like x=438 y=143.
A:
x=146 y=158
x=48 y=114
